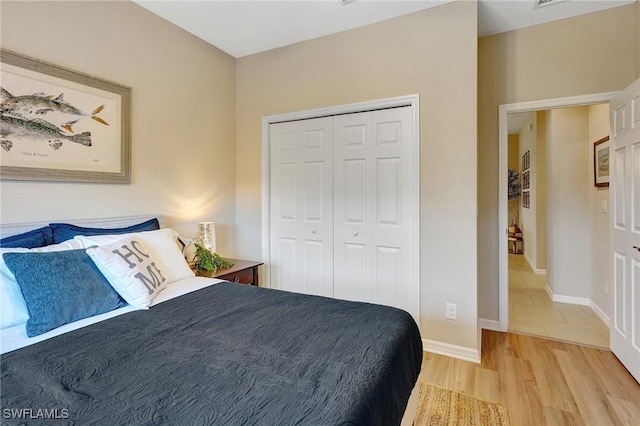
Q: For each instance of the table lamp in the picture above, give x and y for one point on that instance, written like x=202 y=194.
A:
x=207 y=233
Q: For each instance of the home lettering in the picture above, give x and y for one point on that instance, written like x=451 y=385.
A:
x=130 y=252
x=153 y=282
x=134 y=256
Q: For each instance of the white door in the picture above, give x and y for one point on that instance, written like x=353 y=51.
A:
x=374 y=208
x=302 y=206
x=625 y=182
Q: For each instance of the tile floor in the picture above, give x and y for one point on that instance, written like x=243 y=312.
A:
x=531 y=311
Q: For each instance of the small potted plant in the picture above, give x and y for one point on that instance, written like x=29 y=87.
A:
x=207 y=263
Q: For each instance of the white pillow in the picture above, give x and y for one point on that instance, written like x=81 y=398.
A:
x=132 y=269
x=13 y=309
x=162 y=245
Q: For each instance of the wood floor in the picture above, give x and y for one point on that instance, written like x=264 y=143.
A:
x=543 y=382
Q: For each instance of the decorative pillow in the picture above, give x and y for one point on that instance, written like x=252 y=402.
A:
x=60 y=287
x=132 y=270
x=162 y=244
x=13 y=309
x=66 y=231
x=37 y=238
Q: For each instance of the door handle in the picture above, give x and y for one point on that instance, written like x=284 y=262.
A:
x=636 y=247
x=355 y=234
x=313 y=231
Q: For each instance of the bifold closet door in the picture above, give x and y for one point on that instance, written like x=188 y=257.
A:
x=374 y=208
x=302 y=206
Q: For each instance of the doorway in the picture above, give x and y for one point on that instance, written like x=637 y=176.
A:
x=564 y=227
x=526 y=272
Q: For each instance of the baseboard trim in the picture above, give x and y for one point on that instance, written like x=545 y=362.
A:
x=533 y=266
x=560 y=298
x=487 y=324
x=454 y=351
x=600 y=313
x=583 y=301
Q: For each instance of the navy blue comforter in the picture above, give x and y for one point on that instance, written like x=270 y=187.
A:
x=229 y=354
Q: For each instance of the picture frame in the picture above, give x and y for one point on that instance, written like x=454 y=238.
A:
x=526 y=199
x=526 y=180
x=526 y=161
x=60 y=125
x=601 y=162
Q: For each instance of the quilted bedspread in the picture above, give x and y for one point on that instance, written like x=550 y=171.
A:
x=229 y=354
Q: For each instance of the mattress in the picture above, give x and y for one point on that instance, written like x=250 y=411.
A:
x=224 y=354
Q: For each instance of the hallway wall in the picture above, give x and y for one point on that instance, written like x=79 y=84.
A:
x=598 y=220
x=568 y=202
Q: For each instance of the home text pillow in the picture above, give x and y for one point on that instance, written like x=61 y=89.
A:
x=13 y=309
x=132 y=270
x=36 y=238
x=66 y=231
x=162 y=245
x=60 y=287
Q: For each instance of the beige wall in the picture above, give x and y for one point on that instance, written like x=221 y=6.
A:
x=513 y=162
x=528 y=216
x=568 y=236
x=431 y=53
x=183 y=114
x=541 y=192
x=587 y=54
x=638 y=38
x=599 y=221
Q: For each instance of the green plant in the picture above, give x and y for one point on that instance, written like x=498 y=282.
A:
x=207 y=261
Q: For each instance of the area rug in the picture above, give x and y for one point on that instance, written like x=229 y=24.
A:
x=443 y=407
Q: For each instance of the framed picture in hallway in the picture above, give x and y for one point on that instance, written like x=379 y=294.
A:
x=601 y=162
x=526 y=160
x=526 y=199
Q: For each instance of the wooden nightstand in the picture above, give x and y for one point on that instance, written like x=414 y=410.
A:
x=242 y=271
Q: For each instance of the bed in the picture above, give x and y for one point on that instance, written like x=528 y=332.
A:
x=205 y=351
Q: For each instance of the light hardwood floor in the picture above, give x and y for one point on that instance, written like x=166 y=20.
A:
x=531 y=310
x=543 y=382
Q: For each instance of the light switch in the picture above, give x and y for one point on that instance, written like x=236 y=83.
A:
x=604 y=207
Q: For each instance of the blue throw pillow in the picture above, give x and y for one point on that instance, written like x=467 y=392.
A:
x=60 y=287
x=33 y=239
x=66 y=231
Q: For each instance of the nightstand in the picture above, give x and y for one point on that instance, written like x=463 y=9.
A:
x=242 y=271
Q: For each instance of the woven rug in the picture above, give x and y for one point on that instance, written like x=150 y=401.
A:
x=443 y=407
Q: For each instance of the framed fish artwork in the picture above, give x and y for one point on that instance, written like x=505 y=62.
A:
x=57 y=124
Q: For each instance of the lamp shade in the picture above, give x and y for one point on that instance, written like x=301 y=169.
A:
x=207 y=234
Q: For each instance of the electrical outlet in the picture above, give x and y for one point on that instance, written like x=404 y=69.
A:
x=606 y=288
x=451 y=311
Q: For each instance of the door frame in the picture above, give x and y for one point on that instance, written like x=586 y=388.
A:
x=401 y=101
x=503 y=151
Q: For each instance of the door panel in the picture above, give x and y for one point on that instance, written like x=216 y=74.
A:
x=302 y=206
x=354 y=266
x=625 y=235
x=376 y=179
x=355 y=193
x=388 y=191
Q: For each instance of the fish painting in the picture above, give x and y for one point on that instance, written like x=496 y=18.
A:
x=39 y=130
x=40 y=104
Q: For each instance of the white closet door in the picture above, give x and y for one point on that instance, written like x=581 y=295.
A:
x=302 y=206
x=373 y=209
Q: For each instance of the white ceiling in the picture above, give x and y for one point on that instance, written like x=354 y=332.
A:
x=243 y=27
